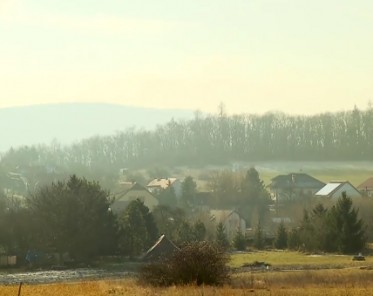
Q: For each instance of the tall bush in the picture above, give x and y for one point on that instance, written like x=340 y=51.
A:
x=196 y=263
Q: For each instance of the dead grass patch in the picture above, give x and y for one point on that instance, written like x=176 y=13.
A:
x=130 y=287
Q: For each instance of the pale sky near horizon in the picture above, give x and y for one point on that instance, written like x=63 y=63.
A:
x=255 y=56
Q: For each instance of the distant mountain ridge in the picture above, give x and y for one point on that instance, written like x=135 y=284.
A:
x=71 y=122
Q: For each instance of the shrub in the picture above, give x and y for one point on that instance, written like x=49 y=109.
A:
x=156 y=274
x=196 y=263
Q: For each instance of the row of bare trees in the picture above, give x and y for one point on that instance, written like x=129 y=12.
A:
x=210 y=139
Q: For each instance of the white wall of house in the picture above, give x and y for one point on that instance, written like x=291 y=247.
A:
x=146 y=197
x=232 y=224
x=177 y=188
x=350 y=191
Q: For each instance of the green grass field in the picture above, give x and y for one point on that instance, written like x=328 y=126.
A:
x=288 y=259
x=354 y=171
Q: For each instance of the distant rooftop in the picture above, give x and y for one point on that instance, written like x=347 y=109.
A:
x=366 y=185
x=329 y=188
x=298 y=180
x=161 y=182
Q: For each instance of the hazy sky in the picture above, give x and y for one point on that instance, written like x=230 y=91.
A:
x=296 y=56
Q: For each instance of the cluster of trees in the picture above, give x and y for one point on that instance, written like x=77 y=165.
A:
x=75 y=217
x=245 y=193
x=65 y=217
x=211 y=139
x=338 y=229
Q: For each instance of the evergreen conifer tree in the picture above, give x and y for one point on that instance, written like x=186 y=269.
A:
x=259 y=237
x=239 y=241
x=281 y=241
x=221 y=237
x=349 y=229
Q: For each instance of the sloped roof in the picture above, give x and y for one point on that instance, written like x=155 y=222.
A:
x=128 y=186
x=161 y=182
x=366 y=185
x=329 y=188
x=296 y=180
x=125 y=185
x=160 y=250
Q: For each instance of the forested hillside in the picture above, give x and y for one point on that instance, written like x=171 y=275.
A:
x=211 y=139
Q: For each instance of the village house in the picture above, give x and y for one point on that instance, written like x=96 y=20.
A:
x=366 y=188
x=335 y=189
x=157 y=185
x=231 y=220
x=293 y=185
x=133 y=191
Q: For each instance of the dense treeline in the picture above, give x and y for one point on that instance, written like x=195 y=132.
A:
x=74 y=217
x=211 y=139
x=338 y=229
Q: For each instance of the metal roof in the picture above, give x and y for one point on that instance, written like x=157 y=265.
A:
x=328 y=188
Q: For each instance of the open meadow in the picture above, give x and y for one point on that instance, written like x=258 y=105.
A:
x=291 y=273
x=295 y=260
x=354 y=171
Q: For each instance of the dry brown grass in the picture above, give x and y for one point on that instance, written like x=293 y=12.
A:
x=333 y=278
x=354 y=282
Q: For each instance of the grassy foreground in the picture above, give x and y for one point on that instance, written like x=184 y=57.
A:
x=259 y=287
x=292 y=273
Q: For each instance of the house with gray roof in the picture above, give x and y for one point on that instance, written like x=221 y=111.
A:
x=294 y=185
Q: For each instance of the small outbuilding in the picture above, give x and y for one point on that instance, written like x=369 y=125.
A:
x=162 y=249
